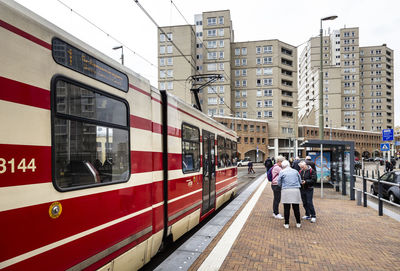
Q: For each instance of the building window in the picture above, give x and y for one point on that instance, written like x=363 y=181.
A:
x=169 y=49
x=162 y=73
x=212 y=100
x=170 y=85
x=162 y=37
x=267 y=71
x=211 y=21
x=221 y=19
x=268 y=103
x=267 y=92
x=267 y=49
x=267 y=60
x=268 y=82
x=169 y=36
x=212 y=33
x=190 y=148
x=162 y=50
x=244 y=51
x=170 y=61
x=221 y=32
x=162 y=61
x=267 y=114
x=244 y=61
x=212 y=55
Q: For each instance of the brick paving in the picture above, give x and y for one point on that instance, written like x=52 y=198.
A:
x=345 y=237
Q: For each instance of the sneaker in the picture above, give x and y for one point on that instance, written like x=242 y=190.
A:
x=306 y=217
x=286 y=226
x=298 y=225
x=313 y=220
x=278 y=216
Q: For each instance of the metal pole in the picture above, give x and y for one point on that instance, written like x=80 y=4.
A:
x=322 y=172
x=122 y=55
x=321 y=102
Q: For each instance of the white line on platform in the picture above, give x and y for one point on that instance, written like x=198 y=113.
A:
x=218 y=254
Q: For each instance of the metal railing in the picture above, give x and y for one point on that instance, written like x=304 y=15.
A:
x=363 y=175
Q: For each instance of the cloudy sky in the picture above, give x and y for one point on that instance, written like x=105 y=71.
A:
x=291 y=21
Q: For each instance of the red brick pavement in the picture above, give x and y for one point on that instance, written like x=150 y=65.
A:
x=345 y=237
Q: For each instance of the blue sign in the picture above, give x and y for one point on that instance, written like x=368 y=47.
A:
x=387 y=134
x=385 y=147
x=397 y=143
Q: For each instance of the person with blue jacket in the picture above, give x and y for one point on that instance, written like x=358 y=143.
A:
x=290 y=182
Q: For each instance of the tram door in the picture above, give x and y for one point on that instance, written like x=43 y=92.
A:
x=208 y=172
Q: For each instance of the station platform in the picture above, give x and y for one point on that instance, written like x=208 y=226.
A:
x=345 y=237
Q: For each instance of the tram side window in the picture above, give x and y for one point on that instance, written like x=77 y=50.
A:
x=221 y=152
x=234 y=153
x=190 y=148
x=91 y=137
x=228 y=152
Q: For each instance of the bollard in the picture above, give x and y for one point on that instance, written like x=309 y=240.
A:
x=380 y=202
x=379 y=174
x=367 y=173
x=365 y=189
x=372 y=176
x=359 y=197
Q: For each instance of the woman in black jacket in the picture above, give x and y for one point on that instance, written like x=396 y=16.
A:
x=309 y=178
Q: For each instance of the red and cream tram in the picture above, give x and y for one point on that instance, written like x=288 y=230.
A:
x=97 y=168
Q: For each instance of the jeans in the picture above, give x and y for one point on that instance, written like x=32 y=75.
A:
x=277 y=198
x=307 y=197
x=296 y=210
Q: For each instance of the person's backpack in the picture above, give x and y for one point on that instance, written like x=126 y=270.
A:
x=269 y=174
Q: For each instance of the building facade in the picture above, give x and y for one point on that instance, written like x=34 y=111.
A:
x=258 y=78
x=357 y=83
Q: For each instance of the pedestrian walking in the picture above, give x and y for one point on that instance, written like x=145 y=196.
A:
x=290 y=182
x=250 y=168
x=309 y=178
x=275 y=187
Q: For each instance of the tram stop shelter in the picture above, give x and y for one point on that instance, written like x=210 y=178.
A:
x=338 y=162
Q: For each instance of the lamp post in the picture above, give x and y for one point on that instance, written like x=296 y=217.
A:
x=321 y=82
x=321 y=101
x=122 y=52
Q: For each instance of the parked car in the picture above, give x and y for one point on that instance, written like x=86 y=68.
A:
x=390 y=192
x=244 y=162
x=357 y=165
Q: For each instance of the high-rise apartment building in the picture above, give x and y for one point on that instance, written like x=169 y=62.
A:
x=258 y=78
x=357 y=86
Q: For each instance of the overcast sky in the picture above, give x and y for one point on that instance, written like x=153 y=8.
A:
x=291 y=21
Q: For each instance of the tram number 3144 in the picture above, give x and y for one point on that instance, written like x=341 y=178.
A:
x=13 y=165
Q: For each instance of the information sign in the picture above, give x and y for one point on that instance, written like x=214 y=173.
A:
x=387 y=134
x=385 y=147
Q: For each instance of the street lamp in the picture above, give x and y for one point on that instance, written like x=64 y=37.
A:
x=321 y=102
x=321 y=83
x=122 y=52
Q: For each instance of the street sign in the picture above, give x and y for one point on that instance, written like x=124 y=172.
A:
x=387 y=134
x=385 y=147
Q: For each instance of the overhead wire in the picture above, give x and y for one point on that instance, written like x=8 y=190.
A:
x=109 y=35
x=113 y=38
